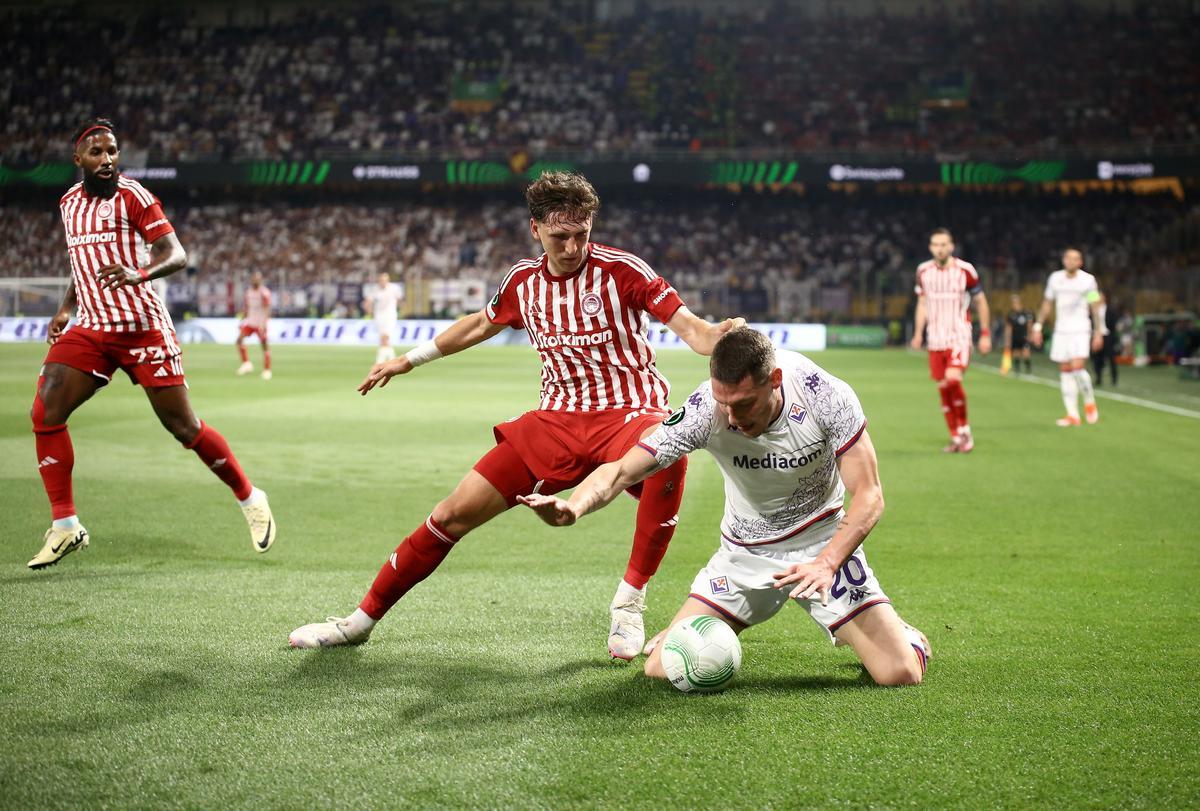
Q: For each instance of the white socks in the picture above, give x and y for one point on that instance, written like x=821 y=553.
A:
x=631 y=591
x=384 y=353
x=1084 y=382
x=359 y=623
x=255 y=496
x=70 y=522
x=1069 y=384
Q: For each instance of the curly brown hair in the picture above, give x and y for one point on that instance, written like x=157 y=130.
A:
x=566 y=194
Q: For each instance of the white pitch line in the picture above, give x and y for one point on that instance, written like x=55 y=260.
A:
x=1108 y=395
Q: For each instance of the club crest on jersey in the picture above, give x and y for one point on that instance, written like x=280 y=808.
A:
x=797 y=414
x=591 y=304
x=105 y=210
x=719 y=585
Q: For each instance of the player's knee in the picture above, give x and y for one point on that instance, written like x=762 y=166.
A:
x=654 y=669
x=905 y=672
x=184 y=428
x=456 y=517
x=45 y=413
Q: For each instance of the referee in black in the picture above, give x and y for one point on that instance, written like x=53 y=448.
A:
x=1016 y=334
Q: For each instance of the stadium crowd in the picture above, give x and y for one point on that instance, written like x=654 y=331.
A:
x=764 y=257
x=421 y=78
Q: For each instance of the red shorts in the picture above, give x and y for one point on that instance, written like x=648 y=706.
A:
x=549 y=451
x=151 y=358
x=246 y=331
x=942 y=359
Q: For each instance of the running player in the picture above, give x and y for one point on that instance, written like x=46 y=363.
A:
x=118 y=239
x=791 y=442
x=586 y=308
x=1073 y=294
x=380 y=301
x=256 y=311
x=1016 y=334
x=946 y=285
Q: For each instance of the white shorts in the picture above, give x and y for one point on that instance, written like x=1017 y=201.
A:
x=1065 y=346
x=739 y=584
x=386 y=328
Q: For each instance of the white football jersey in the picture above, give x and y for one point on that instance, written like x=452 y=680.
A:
x=1070 y=297
x=783 y=487
x=384 y=300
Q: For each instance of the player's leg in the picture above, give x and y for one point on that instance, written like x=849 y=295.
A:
x=1068 y=385
x=61 y=389
x=174 y=410
x=266 y=350
x=474 y=502
x=938 y=360
x=385 y=351
x=246 y=366
x=690 y=608
x=894 y=654
x=958 y=403
x=1028 y=357
x=1083 y=381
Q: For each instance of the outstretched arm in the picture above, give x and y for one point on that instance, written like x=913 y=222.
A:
x=594 y=492
x=859 y=469
x=985 y=322
x=462 y=334
x=699 y=334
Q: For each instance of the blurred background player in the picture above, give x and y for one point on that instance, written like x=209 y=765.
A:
x=1110 y=317
x=256 y=307
x=785 y=534
x=381 y=301
x=946 y=286
x=1073 y=295
x=1016 y=334
x=118 y=240
x=586 y=308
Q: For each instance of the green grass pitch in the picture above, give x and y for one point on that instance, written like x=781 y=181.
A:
x=1055 y=572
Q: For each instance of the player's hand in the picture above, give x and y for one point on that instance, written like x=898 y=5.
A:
x=553 y=510
x=57 y=324
x=985 y=344
x=730 y=324
x=381 y=373
x=1035 y=338
x=114 y=276
x=807 y=580
x=1097 y=343
x=916 y=341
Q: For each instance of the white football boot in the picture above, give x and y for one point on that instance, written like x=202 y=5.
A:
x=266 y=375
x=58 y=544
x=262 y=523
x=627 y=633
x=920 y=643
x=332 y=632
x=246 y=368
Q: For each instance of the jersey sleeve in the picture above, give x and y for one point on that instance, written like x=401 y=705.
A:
x=266 y=298
x=646 y=290
x=1050 y=293
x=505 y=308
x=149 y=220
x=837 y=411
x=918 y=288
x=687 y=429
x=974 y=284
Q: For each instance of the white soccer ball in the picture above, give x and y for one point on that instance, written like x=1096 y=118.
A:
x=701 y=654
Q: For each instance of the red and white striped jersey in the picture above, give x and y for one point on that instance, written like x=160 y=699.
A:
x=948 y=293
x=115 y=231
x=591 y=329
x=256 y=305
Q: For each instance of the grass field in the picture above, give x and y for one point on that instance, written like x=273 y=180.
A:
x=1054 y=571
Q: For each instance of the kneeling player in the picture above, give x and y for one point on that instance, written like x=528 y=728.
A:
x=791 y=441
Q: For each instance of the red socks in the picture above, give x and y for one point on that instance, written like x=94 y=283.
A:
x=658 y=513
x=958 y=401
x=414 y=559
x=214 y=451
x=948 y=407
x=56 y=458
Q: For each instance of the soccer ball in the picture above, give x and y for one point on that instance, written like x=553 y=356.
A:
x=701 y=654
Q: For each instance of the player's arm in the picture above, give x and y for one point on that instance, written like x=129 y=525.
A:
x=985 y=321
x=699 y=334
x=603 y=485
x=859 y=469
x=66 y=309
x=920 y=319
x=1093 y=299
x=166 y=257
x=1035 y=332
x=368 y=306
x=462 y=334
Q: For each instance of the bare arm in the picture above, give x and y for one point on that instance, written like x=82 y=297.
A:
x=167 y=256
x=603 y=485
x=699 y=334
x=1035 y=334
x=66 y=309
x=859 y=469
x=462 y=334
x=985 y=322
x=919 y=323
x=1097 y=325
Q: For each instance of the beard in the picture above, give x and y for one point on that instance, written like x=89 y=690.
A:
x=97 y=186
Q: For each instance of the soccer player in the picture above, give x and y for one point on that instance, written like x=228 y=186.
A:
x=256 y=310
x=1016 y=334
x=791 y=442
x=586 y=308
x=118 y=240
x=1075 y=298
x=946 y=285
x=381 y=302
